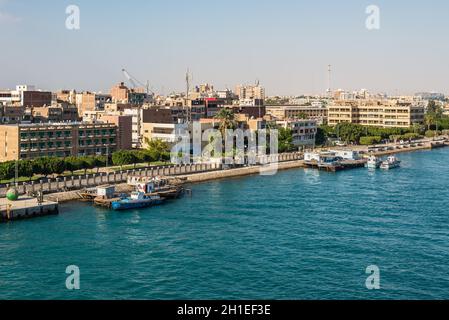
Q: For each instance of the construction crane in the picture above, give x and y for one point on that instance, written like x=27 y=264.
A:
x=135 y=83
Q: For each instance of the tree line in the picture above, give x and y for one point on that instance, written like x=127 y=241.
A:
x=45 y=166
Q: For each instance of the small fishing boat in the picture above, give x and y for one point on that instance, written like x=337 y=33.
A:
x=170 y=192
x=391 y=163
x=137 y=200
x=373 y=162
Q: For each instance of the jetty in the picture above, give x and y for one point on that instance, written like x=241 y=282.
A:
x=338 y=166
x=25 y=208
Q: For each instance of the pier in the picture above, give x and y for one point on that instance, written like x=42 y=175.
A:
x=26 y=207
x=342 y=165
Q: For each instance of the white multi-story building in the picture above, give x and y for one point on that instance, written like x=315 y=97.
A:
x=303 y=131
x=137 y=115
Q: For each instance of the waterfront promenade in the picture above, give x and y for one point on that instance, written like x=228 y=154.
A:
x=66 y=188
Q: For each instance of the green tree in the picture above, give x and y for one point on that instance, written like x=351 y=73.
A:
x=434 y=115
x=158 y=149
x=349 y=132
x=7 y=170
x=123 y=157
x=73 y=164
x=227 y=120
x=143 y=156
x=321 y=136
x=26 y=168
x=91 y=163
x=42 y=166
x=285 y=140
x=101 y=161
x=56 y=165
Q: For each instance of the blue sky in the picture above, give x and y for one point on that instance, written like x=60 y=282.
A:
x=285 y=44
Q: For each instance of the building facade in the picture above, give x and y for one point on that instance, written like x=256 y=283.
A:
x=377 y=113
x=31 y=141
x=298 y=112
x=26 y=96
x=303 y=131
x=124 y=129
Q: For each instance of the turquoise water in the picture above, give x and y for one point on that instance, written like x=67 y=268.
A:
x=301 y=234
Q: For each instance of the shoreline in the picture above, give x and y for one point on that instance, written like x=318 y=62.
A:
x=232 y=173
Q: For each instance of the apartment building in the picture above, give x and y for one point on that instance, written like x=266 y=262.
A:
x=57 y=112
x=250 y=92
x=8 y=97
x=31 y=141
x=121 y=93
x=161 y=123
x=315 y=112
x=378 y=113
x=303 y=131
x=11 y=114
x=124 y=129
x=26 y=96
x=65 y=96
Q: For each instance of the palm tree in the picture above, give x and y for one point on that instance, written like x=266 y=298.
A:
x=429 y=120
x=227 y=120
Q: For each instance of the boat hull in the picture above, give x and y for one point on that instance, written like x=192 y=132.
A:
x=390 y=166
x=373 y=165
x=134 y=204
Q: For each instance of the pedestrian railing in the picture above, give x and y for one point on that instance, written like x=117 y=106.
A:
x=62 y=184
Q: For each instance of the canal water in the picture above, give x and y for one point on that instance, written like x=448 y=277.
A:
x=300 y=234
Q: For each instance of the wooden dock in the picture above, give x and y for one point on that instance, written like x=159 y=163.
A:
x=105 y=203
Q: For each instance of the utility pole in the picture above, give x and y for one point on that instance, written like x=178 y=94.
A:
x=189 y=110
x=16 y=173
x=107 y=156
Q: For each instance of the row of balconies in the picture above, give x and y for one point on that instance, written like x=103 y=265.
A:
x=44 y=149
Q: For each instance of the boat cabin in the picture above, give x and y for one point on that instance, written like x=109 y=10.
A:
x=321 y=157
x=106 y=192
x=347 y=154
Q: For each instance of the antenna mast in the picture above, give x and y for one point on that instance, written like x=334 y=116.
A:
x=329 y=89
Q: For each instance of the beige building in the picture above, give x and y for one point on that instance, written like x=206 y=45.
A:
x=378 y=113
x=160 y=123
x=57 y=112
x=31 y=141
x=66 y=96
x=298 y=112
x=124 y=129
x=250 y=92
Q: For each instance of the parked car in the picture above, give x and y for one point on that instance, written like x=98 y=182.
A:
x=340 y=144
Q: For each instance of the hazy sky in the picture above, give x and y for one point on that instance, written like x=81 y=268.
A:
x=286 y=44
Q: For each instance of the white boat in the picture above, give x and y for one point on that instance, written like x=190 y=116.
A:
x=373 y=162
x=391 y=163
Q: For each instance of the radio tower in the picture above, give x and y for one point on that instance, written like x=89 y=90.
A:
x=329 y=88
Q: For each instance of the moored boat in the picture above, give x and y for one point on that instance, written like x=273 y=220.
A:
x=391 y=163
x=137 y=200
x=373 y=162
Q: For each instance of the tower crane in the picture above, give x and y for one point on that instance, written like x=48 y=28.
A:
x=135 y=83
